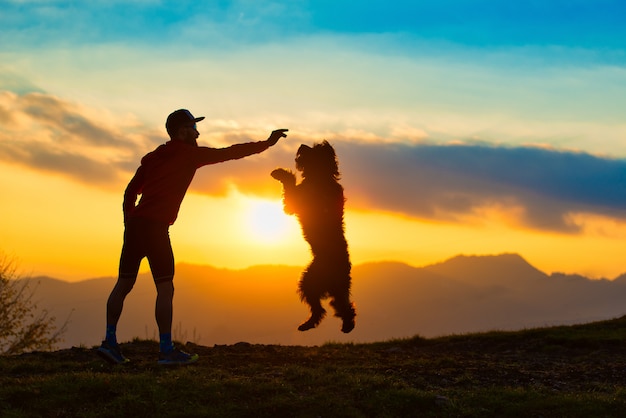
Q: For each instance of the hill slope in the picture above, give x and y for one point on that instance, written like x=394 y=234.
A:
x=575 y=371
x=394 y=300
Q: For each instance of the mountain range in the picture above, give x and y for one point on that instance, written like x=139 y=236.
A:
x=394 y=300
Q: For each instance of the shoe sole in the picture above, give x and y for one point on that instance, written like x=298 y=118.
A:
x=109 y=358
x=178 y=363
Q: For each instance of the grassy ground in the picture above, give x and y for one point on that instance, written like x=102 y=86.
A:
x=577 y=371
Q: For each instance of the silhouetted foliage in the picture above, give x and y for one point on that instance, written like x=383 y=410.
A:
x=23 y=327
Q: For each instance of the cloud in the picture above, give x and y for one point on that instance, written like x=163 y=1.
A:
x=544 y=186
x=55 y=115
x=49 y=134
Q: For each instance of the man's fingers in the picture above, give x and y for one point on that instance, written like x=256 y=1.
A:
x=281 y=132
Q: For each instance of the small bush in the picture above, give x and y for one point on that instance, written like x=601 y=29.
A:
x=23 y=327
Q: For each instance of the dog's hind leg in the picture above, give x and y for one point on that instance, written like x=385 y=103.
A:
x=317 y=314
x=345 y=310
x=311 y=294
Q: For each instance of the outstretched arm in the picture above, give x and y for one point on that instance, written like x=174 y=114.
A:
x=205 y=155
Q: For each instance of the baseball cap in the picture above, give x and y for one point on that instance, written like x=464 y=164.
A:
x=180 y=118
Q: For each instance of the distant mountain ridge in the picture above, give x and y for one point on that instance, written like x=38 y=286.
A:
x=394 y=300
x=490 y=268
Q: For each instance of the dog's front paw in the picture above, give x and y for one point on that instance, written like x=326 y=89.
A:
x=284 y=176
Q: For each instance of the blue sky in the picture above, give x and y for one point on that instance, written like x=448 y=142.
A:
x=485 y=23
x=480 y=23
x=515 y=105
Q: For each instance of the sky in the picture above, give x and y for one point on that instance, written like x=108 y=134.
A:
x=461 y=127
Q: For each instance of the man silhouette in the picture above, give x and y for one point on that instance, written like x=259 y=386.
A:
x=162 y=180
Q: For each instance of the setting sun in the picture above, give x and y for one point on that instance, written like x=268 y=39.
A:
x=265 y=221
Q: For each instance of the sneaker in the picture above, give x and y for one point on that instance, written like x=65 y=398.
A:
x=111 y=353
x=177 y=357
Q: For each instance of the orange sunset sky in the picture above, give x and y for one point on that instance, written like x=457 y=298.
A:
x=503 y=134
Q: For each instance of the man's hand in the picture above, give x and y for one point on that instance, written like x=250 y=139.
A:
x=276 y=135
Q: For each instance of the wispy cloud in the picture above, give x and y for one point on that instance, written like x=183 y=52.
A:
x=545 y=186
x=49 y=134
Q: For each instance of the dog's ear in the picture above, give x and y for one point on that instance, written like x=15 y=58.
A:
x=329 y=151
x=304 y=149
x=327 y=148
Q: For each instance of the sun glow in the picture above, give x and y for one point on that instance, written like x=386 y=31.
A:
x=264 y=221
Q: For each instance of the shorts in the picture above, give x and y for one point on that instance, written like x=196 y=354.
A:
x=151 y=239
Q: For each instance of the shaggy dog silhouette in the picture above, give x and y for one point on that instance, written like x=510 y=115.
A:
x=318 y=203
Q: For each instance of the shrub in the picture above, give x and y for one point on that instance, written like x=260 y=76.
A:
x=23 y=327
